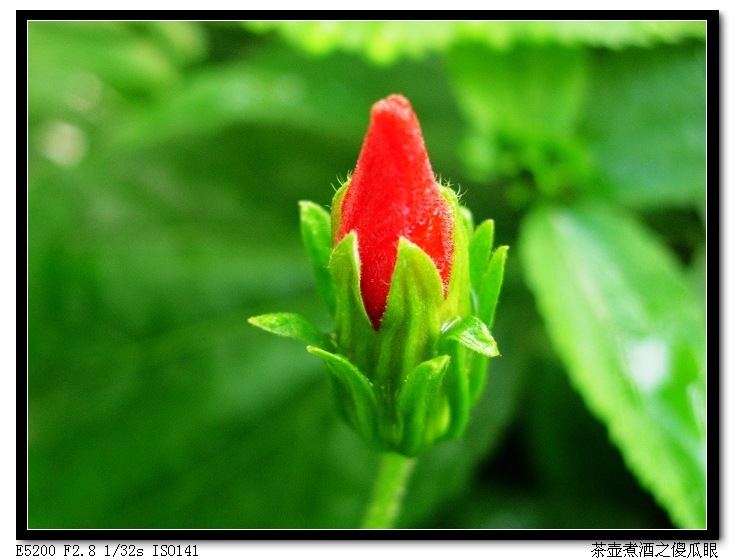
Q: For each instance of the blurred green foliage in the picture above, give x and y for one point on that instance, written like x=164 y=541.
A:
x=165 y=165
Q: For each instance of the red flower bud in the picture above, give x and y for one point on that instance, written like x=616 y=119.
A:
x=393 y=194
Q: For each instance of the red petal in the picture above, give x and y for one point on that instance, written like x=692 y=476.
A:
x=393 y=194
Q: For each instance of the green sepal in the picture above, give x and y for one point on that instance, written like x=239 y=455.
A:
x=354 y=394
x=456 y=387
x=411 y=325
x=477 y=376
x=422 y=407
x=473 y=334
x=291 y=325
x=486 y=273
x=316 y=233
x=489 y=288
x=481 y=248
x=409 y=330
x=467 y=219
x=458 y=302
x=355 y=334
x=337 y=210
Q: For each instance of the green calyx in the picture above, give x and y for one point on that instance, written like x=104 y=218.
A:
x=411 y=383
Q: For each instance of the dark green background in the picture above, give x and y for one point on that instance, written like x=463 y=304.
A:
x=165 y=165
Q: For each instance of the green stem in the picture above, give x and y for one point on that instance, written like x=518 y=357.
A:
x=388 y=491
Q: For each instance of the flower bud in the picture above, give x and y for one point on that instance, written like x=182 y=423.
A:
x=411 y=287
x=393 y=194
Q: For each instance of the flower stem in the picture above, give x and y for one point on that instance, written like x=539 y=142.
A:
x=388 y=491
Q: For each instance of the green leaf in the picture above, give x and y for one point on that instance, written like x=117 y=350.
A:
x=489 y=289
x=645 y=124
x=624 y=321
x=290 y=325
x=481 y=248
x=472 y=333
x=381 y=41
x=354 y=394
x=385 y=41
x=419 y=401
x=316 y=233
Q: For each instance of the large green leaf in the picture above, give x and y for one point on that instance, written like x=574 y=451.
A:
x=385 y=41
x=624 y=321
x=645 y=124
